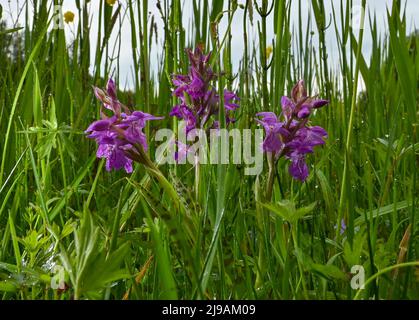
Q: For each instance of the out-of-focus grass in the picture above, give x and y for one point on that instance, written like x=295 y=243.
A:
x=61 y=212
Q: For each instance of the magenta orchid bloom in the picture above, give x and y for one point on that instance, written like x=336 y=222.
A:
x=293 y=138
x=119 y=133
x=199 y=100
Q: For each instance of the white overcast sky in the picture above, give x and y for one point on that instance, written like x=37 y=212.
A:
x=10 y=13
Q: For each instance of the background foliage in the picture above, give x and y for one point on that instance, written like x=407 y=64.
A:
x=124 y=236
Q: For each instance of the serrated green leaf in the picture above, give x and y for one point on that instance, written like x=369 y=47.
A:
x=287 y=211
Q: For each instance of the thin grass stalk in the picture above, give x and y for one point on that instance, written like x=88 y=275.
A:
x=345 y=176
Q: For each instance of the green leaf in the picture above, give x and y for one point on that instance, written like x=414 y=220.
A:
x=287 y=211
x=73 y=187
x=302 y=212
x=11 y=30
x=37 y=98
x=92 y=267
x=217 y=7
x=328 y=271
x=380 y=211
x=352 y=253
x=326 y=192
x=45 y=145
x=8 y=286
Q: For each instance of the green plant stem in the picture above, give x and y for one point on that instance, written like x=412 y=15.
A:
x=300 y=267
x=385 y=270
x=345 y=177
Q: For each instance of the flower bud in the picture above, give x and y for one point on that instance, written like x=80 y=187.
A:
x=111 y=89
x=299 y=91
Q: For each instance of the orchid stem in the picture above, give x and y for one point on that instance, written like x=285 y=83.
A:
x=271 y=176
x=260 y=217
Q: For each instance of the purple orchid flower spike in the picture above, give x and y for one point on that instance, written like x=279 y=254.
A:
x=229 y=98
x=199 y=100
x=300 y=105
x=298 y=168
x=292 y=137
x=118 y=135
x=288 y=108
x=275 y=132
x=102 y=97
x=102 y=125
x=202 y=100
x=109 y=98
x=111 y=89
x=133 y=126
x=114 y=154
x=181 y=83
x=197 y=87
x=183 y=112
x=182 y=151
x=299 y=91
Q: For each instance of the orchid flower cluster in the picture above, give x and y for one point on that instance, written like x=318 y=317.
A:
x=121 y=139
x=198 y=98
x=120 y=135
x=290 y=136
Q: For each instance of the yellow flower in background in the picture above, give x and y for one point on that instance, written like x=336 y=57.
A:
x=68 y=17
x=269 y=51
x=111 y=2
